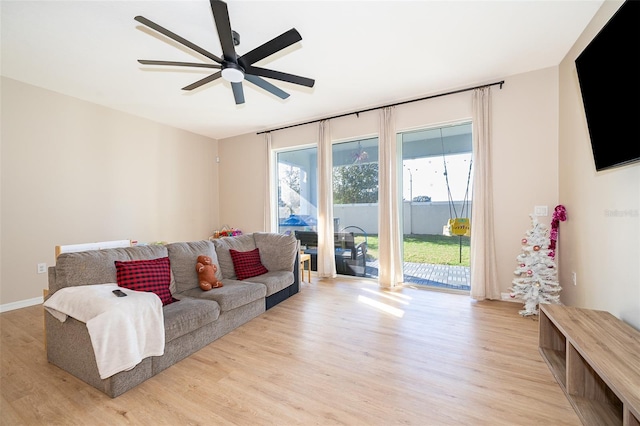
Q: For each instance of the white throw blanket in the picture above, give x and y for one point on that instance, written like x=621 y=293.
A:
x=123 y=330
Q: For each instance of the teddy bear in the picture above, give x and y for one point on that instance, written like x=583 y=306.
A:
x=207 y=273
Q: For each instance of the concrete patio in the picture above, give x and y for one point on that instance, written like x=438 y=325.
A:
x=441 y=276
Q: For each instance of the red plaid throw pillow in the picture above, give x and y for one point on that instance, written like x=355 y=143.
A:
x=146 y=275
x=247 y=263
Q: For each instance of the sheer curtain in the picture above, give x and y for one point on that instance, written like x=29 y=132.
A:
x=267 y=190
x=389 y=234
x=484 y=278
x=326 y=260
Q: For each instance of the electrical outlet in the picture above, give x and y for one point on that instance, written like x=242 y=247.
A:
x=574 y=278
x=42 y=268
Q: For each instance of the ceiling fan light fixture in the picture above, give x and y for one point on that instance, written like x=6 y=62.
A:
x=232 y=67
x=233 y=73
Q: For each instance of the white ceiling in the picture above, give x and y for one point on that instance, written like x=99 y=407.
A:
x=361 y=53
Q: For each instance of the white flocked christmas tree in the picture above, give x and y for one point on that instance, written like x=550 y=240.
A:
x=537 y=273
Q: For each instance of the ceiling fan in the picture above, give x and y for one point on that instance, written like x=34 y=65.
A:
x=234 y=68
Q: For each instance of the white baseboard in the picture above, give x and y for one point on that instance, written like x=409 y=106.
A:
x=21 y=304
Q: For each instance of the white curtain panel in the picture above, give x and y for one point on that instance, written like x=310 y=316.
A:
x=326 y=261
x=268 y=204
x=390 y=272
x=484 y=277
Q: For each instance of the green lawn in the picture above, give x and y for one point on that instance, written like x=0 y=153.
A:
x=436 y=249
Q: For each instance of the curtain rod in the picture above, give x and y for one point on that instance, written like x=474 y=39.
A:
x=385 y=106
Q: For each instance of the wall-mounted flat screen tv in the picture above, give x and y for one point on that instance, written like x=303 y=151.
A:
x=609 y=77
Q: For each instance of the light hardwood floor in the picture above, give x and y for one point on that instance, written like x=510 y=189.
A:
x=326 y=356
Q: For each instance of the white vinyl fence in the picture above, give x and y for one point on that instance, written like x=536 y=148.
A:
x=418 y=218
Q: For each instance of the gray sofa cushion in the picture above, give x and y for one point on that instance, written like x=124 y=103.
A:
x=274 y=281
x=232 y=295
x=183 y=257
x=277 y=251
x=97 y=266
x=187 y=315
x=239 y=243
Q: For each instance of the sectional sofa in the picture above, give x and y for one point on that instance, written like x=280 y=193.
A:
x=192 y=318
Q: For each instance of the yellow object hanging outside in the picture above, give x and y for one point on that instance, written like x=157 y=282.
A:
x=460 y=226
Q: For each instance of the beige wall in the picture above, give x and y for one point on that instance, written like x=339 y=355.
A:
x=600 y=240
x=75 y=172
x=525 y=153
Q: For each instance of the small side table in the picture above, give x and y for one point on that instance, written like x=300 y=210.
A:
x=305 y=259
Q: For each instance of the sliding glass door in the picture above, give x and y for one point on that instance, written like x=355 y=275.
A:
x=355 y=206
x=355 y=203
x=297 y=191
x=437 y=179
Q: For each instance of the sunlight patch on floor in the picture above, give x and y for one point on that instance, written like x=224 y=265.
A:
x=381 y=306
x=391 y=296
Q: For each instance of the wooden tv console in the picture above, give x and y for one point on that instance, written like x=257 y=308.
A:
x=595 y=358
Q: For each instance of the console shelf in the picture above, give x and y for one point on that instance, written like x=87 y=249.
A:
x=595 y=359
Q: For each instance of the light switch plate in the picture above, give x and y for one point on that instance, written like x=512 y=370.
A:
x=541 y=210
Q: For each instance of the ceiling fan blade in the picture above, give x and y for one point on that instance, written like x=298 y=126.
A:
x=177 y=38
x=178 y=64
x=221 y=16
x=269 y=48
x=283 y=76
x=261 y=82
x=238 y=93
x=204 y=81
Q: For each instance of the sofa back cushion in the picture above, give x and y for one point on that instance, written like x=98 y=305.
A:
x=184 y=257
x=277 y=251
x=97 y=266
x=244 y=242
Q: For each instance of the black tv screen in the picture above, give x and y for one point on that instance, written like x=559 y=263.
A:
x=609 y=77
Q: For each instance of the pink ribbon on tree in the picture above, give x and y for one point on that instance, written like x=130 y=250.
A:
x=559 y=215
